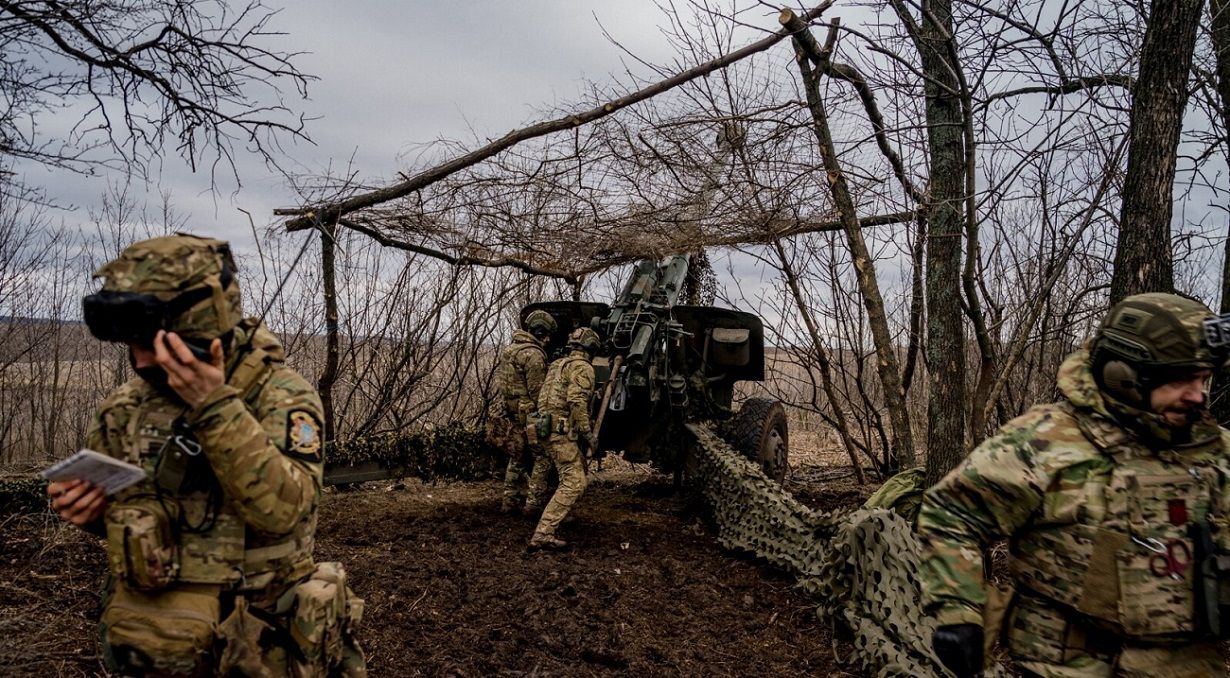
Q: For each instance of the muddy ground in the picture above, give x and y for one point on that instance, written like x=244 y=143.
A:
x=452 y=591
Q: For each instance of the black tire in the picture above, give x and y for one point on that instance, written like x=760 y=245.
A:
x=759 y=433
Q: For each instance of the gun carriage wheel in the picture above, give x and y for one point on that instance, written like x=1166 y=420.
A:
x=759 y=432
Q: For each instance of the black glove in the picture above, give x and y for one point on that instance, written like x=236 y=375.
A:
x=959 y=647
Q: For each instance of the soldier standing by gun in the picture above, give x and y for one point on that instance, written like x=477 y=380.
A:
x=563 y=427
x=522 y=367
x=1116 y=505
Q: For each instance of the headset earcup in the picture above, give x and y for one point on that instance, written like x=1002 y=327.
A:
x=1122 y=381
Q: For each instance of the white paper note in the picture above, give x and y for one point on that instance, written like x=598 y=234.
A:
x=106 y=472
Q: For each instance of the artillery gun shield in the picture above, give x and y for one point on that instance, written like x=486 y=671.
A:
x=569 y=315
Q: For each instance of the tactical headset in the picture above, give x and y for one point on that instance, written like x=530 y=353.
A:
x=1144 y=342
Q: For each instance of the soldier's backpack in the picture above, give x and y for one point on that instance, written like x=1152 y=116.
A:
x=902 y=494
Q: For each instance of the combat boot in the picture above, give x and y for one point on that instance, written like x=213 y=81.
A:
x=510 y=506
x=548 y=542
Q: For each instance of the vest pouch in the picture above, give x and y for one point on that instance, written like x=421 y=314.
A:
x=1149 y=604
x=544 y=425
x=531 y=431
x=325 y=612
x=243 y=653
x=167 y=633
x=181 y=467
x=141 y=546
x=506 y=436
x=1035 y=632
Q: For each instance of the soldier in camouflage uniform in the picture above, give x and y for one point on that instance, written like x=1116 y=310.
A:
x=521 y=369
x=211 y=569
x=563 y=406
x=1115 y=502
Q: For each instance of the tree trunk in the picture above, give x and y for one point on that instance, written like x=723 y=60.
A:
x=917 y=305
x=1143 y=257
x=1219 y=11
x=329 y=276
x=869 y=288
x=1219 y=31
x=945 y=331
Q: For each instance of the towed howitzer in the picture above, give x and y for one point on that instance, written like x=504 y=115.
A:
x=663 y=364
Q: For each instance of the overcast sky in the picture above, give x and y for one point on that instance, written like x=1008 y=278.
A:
x=395 y=75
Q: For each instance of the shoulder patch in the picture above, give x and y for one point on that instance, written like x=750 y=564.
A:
x=303 y=436
x=583 y=376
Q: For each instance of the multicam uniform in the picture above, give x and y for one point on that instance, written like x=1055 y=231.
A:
x=521 y=369
x=565 y=398
x=210 y=557
x=238 y=528
x=1092 y=511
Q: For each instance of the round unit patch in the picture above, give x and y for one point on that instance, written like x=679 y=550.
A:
x=303 y=434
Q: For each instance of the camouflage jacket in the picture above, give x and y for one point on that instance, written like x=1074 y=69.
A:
x=567 y=391
x=1084 y=502
x=522 y=367
x=247 y=518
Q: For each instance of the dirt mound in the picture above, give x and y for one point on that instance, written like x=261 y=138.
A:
x=451 y=589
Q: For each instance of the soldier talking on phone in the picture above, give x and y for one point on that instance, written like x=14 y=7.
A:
x=210 y=557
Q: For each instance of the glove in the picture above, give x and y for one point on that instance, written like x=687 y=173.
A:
x=959 y=647
x=592 y=441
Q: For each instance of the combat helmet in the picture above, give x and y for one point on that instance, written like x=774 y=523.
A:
x=539 y=323
x=584 y=339
x=180 y=283
x=1149 y=339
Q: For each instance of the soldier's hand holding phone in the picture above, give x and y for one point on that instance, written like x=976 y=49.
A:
x=192 y=378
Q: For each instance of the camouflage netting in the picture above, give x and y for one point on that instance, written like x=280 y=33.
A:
x=860 y=566
x=869 y=584
x=753 y=513
x=22 y=494
x=455 y=451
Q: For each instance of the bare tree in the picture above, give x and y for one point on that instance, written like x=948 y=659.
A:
x=979 y=144
x=1159 y=100
x=869 y=288
x=201 y=76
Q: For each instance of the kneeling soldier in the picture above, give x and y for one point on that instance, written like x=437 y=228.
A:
x=211 y=569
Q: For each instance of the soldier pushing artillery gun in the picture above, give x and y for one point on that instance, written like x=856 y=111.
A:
x=659 y=364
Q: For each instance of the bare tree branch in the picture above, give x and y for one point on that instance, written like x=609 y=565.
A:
x=329 y=212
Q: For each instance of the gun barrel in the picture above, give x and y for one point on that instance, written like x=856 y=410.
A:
x=673 y=275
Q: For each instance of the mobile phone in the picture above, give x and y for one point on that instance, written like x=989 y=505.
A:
x=200 y=353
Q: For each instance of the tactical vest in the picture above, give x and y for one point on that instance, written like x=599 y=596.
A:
x=518 y=401
x=1113 y=516
x=193 y=534
x=553 y=399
